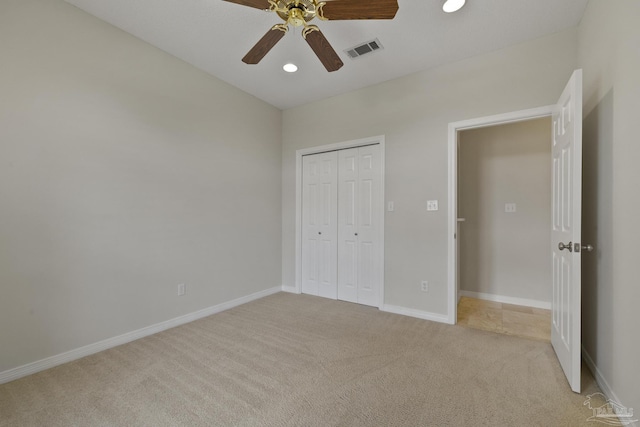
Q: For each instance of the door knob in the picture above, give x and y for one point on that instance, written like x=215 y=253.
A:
x=568 y=246
x=584 y=248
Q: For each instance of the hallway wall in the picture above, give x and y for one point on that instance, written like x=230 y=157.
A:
x=506 y=254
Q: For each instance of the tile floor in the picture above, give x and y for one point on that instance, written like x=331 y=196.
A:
x=507 y=319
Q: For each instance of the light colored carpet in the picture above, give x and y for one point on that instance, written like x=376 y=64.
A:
x=297 y=360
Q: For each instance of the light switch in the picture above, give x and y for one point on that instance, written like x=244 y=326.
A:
x=432 y=205
x=510 y=207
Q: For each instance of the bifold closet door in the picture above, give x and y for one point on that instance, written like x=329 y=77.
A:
x=359 y=225
x=319 y=224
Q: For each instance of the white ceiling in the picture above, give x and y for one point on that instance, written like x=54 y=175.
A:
x=214 y=35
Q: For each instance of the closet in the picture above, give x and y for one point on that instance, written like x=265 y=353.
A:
x=342 y=224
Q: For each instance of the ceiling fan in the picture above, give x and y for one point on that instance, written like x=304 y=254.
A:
x=299 y=12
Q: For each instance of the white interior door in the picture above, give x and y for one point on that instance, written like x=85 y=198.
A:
x=360 y=225
x=566 y=223
x=319 y=224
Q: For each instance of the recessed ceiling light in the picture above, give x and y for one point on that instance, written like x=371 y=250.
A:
x=453 y=5
x=290 y=68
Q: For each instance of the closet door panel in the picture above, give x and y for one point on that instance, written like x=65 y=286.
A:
x=319 y=225
x=347 y=225
x=369 y=225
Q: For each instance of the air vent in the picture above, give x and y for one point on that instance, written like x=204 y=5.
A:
x=364 y=49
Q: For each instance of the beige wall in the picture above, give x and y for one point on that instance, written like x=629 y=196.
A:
x=413 y=113
x=609 y=53
x=123 y=172
x=506 y=254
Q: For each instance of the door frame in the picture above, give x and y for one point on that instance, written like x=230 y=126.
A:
x=454 y=129
x=373 y=140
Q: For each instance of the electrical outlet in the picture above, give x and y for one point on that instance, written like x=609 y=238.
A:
x=510 y=207
x=182 y=289
x=424 y=286
x=432 y=205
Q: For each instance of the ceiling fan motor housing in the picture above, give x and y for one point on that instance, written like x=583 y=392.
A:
x=296 y=13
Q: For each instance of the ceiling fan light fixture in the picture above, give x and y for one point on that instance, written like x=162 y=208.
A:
x=453 y=5
x=290 y=68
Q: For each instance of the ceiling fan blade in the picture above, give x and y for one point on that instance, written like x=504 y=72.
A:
x=258 y=4
x=263 y=46
x=359 y=9
x=323 y=50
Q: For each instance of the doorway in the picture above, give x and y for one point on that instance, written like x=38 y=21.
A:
x=504 y=201
x=454 y=131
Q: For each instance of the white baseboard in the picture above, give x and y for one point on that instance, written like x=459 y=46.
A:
x=290 y=289
x=602 y=382
x=442 y=318
x=59 y=359
x=507 y=300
